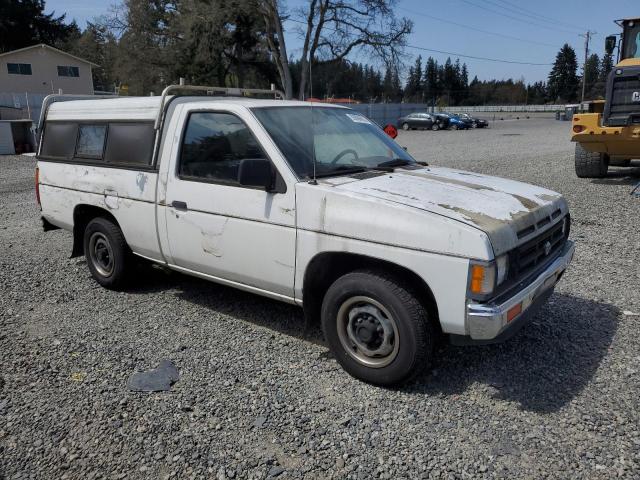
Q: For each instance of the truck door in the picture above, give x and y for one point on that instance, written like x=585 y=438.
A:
x=214 y=226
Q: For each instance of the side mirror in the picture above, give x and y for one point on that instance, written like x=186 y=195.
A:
x=256 y=172
x=610 y=44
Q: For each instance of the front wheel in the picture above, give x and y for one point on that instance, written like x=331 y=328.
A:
x=454 y=127
x=377 y=328
x=590 y=164
x=107 y=253
x=405 y=126
x=435 y=127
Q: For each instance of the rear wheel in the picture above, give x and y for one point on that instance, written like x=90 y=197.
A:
x=107 y=253
x=590 y=164
x=454 y=127
x=405 y=126
x=377 y=328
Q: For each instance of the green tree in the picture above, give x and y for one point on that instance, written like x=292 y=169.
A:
x=98 y=45
x=536 y=93
x=431 y=81
x=563 y=81
x=413 y=90
x=606 y=66
x=23 y=23
x=449 y=80
x=223 y=43
x=591 y=70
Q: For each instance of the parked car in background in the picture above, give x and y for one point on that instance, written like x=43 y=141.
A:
x=457 y=123
x=475 y=122
x=416 y=120
x=441 y=121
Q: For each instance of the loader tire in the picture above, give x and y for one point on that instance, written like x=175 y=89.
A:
x=590 y=164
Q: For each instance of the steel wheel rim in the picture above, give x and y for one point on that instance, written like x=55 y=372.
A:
x=368 y=332
x=101 y=254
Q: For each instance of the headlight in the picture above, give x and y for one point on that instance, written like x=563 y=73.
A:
x=503 y=268
x=485 y=276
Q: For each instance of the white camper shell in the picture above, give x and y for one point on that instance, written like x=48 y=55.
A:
x=309 y=204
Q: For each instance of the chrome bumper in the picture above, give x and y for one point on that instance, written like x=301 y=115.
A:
x=488 y=321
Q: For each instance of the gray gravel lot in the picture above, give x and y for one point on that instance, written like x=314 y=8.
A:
x=260 y=396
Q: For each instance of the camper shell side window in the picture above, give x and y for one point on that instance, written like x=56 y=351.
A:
x=115 y=144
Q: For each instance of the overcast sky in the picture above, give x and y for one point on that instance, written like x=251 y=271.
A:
x=514 y=30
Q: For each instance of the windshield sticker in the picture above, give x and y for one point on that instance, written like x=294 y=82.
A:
x=358 y=118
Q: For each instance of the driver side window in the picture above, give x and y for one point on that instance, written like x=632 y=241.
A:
x=213 y=146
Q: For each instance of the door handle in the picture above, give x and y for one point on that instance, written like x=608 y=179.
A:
x=178 y=205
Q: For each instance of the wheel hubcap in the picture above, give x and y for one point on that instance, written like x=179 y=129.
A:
x=368 y=332
x=101 y=254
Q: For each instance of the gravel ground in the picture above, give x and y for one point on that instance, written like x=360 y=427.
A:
x=260 y=396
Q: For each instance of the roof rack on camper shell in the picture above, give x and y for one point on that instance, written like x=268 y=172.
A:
x=171 y=90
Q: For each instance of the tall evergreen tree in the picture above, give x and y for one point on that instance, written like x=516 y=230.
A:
x=449 y=80
x=592 y=71
x=413 y=89
x=606 y=65
x=98 y=45
x=430 y=82
x=563 y=81
x=23 y=23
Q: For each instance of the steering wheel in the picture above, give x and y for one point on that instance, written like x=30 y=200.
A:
x=343 y=153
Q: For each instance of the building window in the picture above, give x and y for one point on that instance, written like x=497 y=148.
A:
x=65 y=71
x=19 y=68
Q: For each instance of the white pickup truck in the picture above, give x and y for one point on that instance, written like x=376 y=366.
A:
x=309 y=204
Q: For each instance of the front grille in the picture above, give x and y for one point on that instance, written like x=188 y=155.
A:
x=534 y=253
x=621 y=103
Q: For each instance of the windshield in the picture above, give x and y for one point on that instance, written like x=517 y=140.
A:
x=631 y=48
x=342 y=140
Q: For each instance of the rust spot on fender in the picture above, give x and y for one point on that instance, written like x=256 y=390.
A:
x=452 y=181
x=527 y=203
x=394 y=194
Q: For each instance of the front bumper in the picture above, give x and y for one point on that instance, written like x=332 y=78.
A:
x=487 y=322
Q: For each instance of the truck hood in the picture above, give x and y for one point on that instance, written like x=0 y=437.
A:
x=508 y=211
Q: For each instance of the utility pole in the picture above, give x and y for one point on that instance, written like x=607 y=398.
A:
x=587 y=37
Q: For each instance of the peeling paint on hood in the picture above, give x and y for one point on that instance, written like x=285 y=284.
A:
x=497 y=206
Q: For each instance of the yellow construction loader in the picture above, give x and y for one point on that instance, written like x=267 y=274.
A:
x=609 y=133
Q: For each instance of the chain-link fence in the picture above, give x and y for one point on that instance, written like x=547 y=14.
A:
x=384 y=113
x=23 y=105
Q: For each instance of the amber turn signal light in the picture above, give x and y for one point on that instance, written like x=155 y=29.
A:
x=477 y=278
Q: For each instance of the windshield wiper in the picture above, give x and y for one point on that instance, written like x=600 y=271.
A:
x=399 y=162
x=341 y=171
x=387 y=166
x=395 y=162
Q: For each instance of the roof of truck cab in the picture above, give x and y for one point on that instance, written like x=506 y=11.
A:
x=146 y=108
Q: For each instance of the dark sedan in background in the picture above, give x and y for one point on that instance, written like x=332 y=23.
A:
x=416 y=120
x=475 y=122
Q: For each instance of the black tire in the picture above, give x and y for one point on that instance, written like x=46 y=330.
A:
x=590 y=164
x=405 y=126
x=412 y=348
x=454 y=127
x=107 y=253
x=435 y=127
